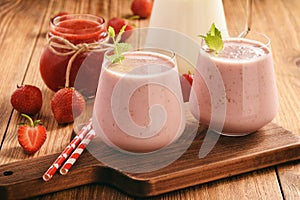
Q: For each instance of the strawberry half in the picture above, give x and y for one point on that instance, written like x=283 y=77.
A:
x=67 y=104
x=31 y=137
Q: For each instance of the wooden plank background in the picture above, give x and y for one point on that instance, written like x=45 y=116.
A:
x=23 y=26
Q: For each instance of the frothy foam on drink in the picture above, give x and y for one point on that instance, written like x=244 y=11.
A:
x=242 y=49
x=148 y=64
x=118 y=67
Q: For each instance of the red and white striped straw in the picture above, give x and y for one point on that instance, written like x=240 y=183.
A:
x=78 y=151
x=67 y=151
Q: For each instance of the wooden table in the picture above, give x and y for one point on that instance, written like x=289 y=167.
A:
x=23 y=25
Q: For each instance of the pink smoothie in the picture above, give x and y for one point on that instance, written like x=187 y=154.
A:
x=246 y=68
x=126 y=114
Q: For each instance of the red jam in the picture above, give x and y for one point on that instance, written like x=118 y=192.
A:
x=86 y=66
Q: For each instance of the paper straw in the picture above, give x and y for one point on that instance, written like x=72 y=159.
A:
x=78 y=151
x=67 y=151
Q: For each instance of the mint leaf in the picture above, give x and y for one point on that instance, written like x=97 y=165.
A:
x=122 y=30
x=116 y=58
x=119 y=48
x=213 y=39
x=122 y=47
x=111 y=32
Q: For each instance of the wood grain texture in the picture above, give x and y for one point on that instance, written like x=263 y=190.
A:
x=15 y=50
x=280 y=20
x=22 y=42
x=230 y=156
x=285 y=42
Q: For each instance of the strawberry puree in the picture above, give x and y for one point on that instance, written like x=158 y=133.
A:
x=246 y=68
x=125 y=116
x=76 y=29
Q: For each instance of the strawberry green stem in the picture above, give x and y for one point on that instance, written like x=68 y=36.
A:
x=29 y=118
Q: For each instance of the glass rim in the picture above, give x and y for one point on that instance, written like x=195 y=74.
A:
x=259 y=40
x=147 y=49
x=54 y=22
x=170 y=58
x=250 y=33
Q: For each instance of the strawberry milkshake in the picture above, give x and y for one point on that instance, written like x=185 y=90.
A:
x=138 y=105
x=247 y=73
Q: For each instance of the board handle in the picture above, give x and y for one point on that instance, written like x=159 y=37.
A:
x=23 y=179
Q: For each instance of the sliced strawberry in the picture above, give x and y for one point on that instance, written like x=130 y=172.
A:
x=31 y=137
x=67 y=104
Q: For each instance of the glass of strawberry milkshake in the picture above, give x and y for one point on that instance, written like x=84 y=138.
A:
x=245 y=66
x=139 y=105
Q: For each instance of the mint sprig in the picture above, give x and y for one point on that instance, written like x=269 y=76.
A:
x=119 y=47
x=213 y=39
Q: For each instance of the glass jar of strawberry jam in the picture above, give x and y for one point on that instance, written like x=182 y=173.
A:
x=74 y=52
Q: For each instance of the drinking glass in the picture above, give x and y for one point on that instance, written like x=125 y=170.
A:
x=138 y=106
x=249 y=96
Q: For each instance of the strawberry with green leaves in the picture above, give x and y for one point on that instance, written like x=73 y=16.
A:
x=31 y=137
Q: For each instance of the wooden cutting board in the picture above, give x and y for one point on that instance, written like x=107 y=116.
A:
x=230 y=156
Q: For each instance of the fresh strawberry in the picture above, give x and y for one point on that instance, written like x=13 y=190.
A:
x=117 y=23
x=188 y=76
x=186 y=81
x=31 y=137
x=27 y=99
x=67 y=104
x=142 y=8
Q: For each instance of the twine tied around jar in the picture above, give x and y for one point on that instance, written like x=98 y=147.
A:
x=74 y=50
